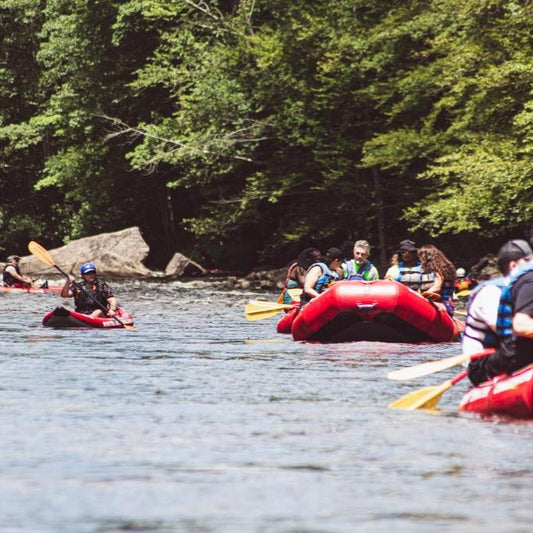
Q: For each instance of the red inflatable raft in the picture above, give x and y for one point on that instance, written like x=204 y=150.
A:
x=504 y=395
x=64 y=318
x=380 y=310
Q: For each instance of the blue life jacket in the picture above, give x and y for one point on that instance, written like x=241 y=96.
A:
x=352 y=272
x=410 y=276
x=446 y=291
x=324 y=280
x=504 y=324
x=477 y=329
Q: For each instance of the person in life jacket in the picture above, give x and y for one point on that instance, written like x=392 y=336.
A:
x=92 y=296
x=296 y=273
x=510 y=316
x=408 y=270
x=321 y=274
x=12 y=276
x=360 y=268
x=438 y=275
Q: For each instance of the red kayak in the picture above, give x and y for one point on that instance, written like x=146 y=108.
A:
x=64 y=318
x=31 y=290
x=504 y=395
x=380 y=310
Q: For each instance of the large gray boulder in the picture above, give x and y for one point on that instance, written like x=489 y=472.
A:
x=181 y=265
x=116 y=255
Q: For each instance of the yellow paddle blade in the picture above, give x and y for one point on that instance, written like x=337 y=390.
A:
x=41 y=253
x=426 y=398
x=258 y=310
x=463 y=294
x=424 y=369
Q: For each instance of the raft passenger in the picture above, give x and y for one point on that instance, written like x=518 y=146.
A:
x=409 y=269
x=296 y=273
x=514 y=322
x=321 y=274
x=360 y=268
x=438 y=275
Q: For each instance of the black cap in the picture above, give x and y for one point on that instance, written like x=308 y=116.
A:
x=512 y=251
x=334 y=253
x=408 y=245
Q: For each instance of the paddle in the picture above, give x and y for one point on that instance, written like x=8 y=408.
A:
x=463 y=294
x=426 y=398
x=431 y=367
x=257 y=310
x=43 y=255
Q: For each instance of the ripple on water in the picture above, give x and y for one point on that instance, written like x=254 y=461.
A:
x=202 y=421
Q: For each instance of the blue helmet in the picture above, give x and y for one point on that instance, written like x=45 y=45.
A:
x=87 y=268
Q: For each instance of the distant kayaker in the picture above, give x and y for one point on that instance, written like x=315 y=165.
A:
x=438 y=275
x=409 y=269
x=360 y=268
x=510 y=316
x=91 y=296
x=321 y=274
x=296 y=273
x=12 y=276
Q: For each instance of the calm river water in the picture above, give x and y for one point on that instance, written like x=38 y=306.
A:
x=202 y=421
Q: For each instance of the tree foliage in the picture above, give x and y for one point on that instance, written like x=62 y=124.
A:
x=247 y=129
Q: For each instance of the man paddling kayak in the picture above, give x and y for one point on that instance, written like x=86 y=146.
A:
x=12 y=276
x=91 y=296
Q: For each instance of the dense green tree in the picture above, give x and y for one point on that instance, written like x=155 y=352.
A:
x=247 y=129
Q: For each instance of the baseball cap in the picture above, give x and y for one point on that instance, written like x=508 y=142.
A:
x=408 y=245
x=334 y=253
x=512 y=251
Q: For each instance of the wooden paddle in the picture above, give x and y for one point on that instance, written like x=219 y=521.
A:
x=431 y=367
x=43 y=255
x=257 y=310
x=426 y=398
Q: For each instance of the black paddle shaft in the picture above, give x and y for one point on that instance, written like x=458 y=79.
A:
x=81 y=287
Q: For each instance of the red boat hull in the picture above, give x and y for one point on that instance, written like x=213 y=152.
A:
x=64 y=318
x=30 y=290
x=379 y=310
x=504 y=395
x=285 y=324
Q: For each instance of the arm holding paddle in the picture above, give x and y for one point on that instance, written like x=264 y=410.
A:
x=88 y=271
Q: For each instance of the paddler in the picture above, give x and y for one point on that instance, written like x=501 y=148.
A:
x=360 y=268
x=321 y=275
x=12 y=276
x=296 y=273
x=91 y=296
x=438 y=275
x=409 y=269
x=511 y=316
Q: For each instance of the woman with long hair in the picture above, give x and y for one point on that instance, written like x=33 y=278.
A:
x=296 y=273
x=438 y=275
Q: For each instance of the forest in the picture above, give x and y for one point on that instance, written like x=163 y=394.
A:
x=242 y=131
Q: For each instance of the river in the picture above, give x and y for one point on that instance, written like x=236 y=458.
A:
x=200 y=421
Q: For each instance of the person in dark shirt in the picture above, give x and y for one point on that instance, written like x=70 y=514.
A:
x=515 y=317
x=12 y=276
x=92 y=296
